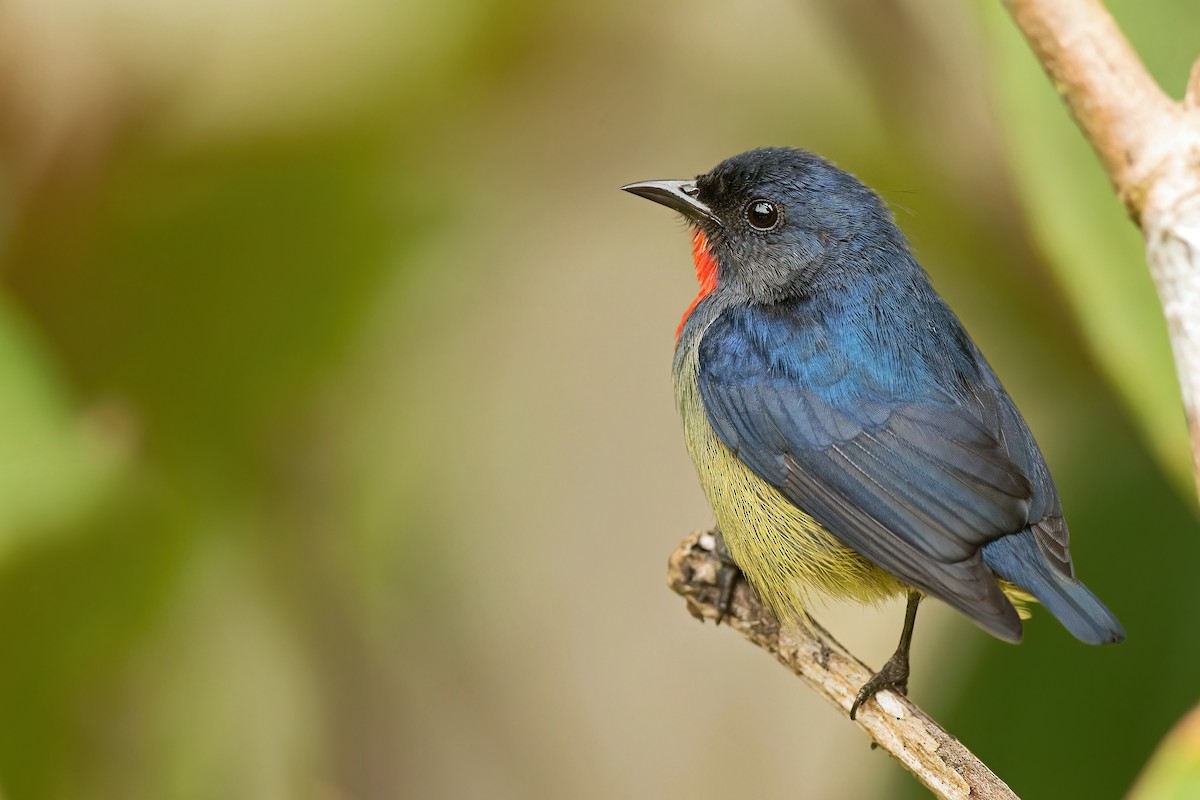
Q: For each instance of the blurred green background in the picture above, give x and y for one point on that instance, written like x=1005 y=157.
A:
x=340 y=458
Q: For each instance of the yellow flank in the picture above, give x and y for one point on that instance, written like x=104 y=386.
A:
x=1020 y=598
x=784 y=553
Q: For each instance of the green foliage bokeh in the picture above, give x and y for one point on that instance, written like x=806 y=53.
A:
x=336 y=449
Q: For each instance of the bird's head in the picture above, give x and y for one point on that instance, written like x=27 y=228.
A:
x=780 y=222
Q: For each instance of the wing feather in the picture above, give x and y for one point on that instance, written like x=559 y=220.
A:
x=917 y=480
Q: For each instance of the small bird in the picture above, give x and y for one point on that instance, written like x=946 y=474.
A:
x=850 y=437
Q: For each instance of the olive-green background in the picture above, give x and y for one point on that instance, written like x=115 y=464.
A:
x=337 y=450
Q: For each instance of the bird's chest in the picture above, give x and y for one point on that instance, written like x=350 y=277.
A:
x=783 y=551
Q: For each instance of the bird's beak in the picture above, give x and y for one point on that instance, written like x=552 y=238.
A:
x=679 y=195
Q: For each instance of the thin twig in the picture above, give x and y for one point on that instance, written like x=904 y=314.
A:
x=936 y=758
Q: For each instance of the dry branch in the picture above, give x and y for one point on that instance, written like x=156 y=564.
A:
x=936 y=758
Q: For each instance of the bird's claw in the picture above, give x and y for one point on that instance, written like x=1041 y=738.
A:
x=894 y=676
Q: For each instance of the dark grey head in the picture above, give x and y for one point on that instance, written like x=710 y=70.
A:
x=781 y=222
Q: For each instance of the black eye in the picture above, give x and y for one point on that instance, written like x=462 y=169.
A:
x=762 y=214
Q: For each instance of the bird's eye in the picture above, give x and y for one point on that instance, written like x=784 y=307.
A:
x=762 y=215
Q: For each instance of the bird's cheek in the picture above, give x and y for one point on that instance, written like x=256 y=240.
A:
x=815 y=245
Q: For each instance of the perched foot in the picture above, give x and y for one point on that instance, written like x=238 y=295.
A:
x=727 y=576
x=894 y=676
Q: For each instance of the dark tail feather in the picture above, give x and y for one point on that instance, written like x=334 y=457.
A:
x=1016 y=559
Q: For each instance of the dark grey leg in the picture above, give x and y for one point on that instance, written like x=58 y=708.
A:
x=727 y=576
x=894 y=674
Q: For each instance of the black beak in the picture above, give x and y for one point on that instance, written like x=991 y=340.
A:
x=679 y=195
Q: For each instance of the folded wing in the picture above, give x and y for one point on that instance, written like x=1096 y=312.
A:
x=914 y=475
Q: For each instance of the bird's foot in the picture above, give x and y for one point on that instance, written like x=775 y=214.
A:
x=727 y=576
x=894 y=676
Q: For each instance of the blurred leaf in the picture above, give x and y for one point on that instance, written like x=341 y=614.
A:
x=226 y=664
x=1173 y=773
x=210 y=289
x=52 y=467
x=74 y=609
x=1094 y=248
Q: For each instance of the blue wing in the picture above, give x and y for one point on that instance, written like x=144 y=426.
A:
x=916 y=460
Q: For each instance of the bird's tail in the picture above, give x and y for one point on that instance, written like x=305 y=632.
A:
x=1016 y=559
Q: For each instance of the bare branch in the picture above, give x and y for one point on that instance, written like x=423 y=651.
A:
x=936 y=758
x=1109 y=92
x=1150 y=147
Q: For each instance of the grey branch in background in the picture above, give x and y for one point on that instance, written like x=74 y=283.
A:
x=1150 y=147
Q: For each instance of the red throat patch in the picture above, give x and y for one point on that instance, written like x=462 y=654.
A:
x=706 y=273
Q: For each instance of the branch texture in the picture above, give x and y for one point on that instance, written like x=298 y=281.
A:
x=1112 y=97
x=937 y=759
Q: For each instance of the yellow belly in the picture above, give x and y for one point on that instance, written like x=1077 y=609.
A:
x=785 y=554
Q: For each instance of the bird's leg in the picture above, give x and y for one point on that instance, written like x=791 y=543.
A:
x=894 y=674
x=727 y=576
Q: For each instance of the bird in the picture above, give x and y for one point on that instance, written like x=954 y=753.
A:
x=850 y=437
